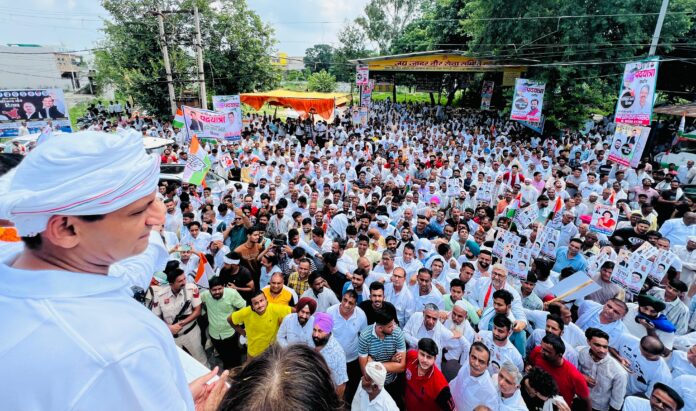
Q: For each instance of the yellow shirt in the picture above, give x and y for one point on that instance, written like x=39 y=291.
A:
x=261 y=330
x=283 y=298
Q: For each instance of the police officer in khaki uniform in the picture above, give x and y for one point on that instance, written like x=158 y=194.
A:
x=179 y=305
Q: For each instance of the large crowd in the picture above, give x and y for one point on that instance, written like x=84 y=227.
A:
x=390 y=253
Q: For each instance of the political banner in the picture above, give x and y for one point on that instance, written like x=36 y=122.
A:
x=35 y=106
x=663 y=261
x=231 y=106
x=604 y=219
x=631 y=276
x=364 y=116
x=550 y=241
x=536 y=126
x=208 y=124
x=628 y=144
x=528 y=100
x=519 y=261
x=595 y=262
x=485 y=192
x=503 y=245
x=366 y=94
x=574 y=288
x=362 y=75
x=526 y=216
x=487 y=94
x=637 y=93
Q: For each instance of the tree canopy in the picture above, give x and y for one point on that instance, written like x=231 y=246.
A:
x=237 y=50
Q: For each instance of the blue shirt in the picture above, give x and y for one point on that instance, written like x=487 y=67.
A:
x=562 y=261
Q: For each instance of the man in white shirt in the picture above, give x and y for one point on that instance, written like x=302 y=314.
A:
x=662 y=398
x=427 y=323
x=371 y=394
x=296 y=328
x=473 y=385
x=71 y=238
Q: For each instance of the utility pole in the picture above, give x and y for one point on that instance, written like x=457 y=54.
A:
x=167 y=67
x=658 y=27
x=199 y=53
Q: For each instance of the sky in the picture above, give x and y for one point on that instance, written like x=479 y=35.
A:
x=75 y=24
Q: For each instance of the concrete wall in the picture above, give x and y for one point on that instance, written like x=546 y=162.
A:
x=21 y=67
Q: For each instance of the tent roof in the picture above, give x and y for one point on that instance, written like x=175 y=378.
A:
x=322 y=104
x=688 y=110
x=341 y=98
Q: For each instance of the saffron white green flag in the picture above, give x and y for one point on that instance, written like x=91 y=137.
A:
x=198 y=163
x=178 y=121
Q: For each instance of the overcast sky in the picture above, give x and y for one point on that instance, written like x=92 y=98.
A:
x=74 y=24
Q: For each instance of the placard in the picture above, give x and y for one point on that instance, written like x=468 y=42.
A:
x=231 y=106
x=604 y=219
x=628 y=144
x=503 y=245
x=631 y=276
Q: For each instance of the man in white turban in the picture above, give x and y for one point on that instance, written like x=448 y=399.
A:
x=81 y=203
x=371 y=394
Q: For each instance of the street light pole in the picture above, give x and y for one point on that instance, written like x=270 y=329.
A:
x=658 y=28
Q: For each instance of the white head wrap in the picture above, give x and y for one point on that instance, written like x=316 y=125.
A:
x=84 y=173
x=377 y=372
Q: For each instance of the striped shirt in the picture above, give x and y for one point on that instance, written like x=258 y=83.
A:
x=381 y=350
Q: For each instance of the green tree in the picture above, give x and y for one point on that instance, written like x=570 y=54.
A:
x=237 y=49
x=352 y=45
x=322 y=81
x=318 y=58
x=581 y=59
x=385 y=20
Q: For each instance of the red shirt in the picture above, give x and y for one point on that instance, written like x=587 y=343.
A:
x=429 y=392
x=570 y=381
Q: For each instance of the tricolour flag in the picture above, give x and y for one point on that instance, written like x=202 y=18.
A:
x=178 y=119
x=557 y=207
x=204 y=272
x=198 y=163
x=514 y=206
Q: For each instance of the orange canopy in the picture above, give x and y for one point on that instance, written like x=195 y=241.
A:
x=321 y=104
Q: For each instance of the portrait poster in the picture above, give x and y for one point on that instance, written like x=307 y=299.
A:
x=487 y=94
x=528 y=100
x=231 y=106
x=632 y=276
x=35 y=106
x=362 y=75
x=628 y=144
x=637 y=93
x=207 y=124
x=503 y=245
x=550 y=244
x=663 y=261
x=604 y=219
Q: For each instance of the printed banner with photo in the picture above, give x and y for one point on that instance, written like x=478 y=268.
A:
x=208 y=124
x=528 y=100
x=487 y=94
x=503 y=245
x=231 y=106
x=637 y=93
x=661 y=264
x=519 y=261
x=604 y=219
x=631 y=276
x=550 y=241
x=366 y=94
x=362 y=75
x=526 y=216
x=628 y=144
x=36 y=107
x=485 y=192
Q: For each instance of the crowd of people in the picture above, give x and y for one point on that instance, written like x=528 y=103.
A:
x=391 y=257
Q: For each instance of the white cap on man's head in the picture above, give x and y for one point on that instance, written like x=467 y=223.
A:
x=84 y=173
